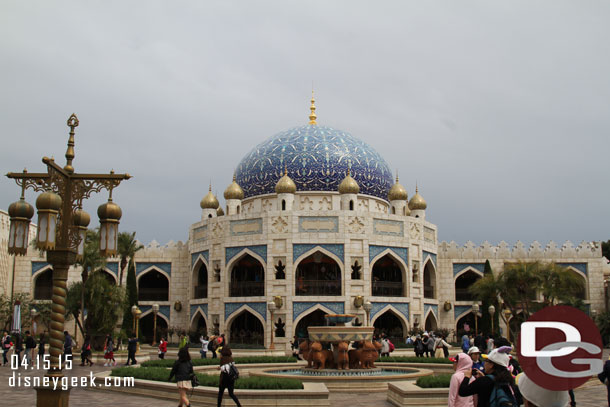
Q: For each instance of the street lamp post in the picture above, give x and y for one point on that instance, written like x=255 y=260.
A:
x=492 y=312
x=62 y=194
x=475 y=311
x=367 y=308
x=155 y=310
x=507 y=315
x=137 y=318
x=271 y=306
x=134 y=308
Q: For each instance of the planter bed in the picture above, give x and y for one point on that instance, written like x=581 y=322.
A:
x=407 y=394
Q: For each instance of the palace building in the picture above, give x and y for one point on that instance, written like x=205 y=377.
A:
x=313 y=222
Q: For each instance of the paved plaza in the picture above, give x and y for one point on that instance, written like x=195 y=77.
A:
x=591 y=395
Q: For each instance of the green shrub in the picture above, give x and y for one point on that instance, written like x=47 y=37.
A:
x=216 y=361
x=161 y=374
x=413 y=359
x=441 y=380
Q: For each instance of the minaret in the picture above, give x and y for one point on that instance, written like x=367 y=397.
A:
x=233 y=196
x=398 y=199
x=349 y=189
x=285 y=189
x=418 y=205
x=209 y=205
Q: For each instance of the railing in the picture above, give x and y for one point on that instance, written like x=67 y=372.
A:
x=463 y=294
x=43 y=293
x=153 y=294
x=200 y=291
x=247 y=289
x=428 y=291
x=318 y=287
x=388 y=288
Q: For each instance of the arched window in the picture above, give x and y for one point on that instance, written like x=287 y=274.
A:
x=431 y=323
x=318 y=274
x=43 y=285
x=429 y=281
x=147 y=325
x=315 y=318
x=283 y=204
x=351 y=205
x=387 y=278
x=200 y=281
x=246 y=329
x=209 y=215
x=153 y=286
x=390 y=325
x=238 y=208
x=198 y=327
x=465 y=324
x=247 y=278
x=582 y=293
x=393 y=211
x=463 y=283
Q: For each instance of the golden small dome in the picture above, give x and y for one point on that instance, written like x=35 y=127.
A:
x=81 y=218
x=209 y=201
x=397 y=192
x=219 y=211
x=234 y=191
x=417 y=202
x=48 y=200
x=285 y=185
x=21 y=209
x=348 y=185
x=109 y=211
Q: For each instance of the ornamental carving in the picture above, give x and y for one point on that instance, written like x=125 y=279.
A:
x=279 y=225
x=415 y=231
x=355 y=225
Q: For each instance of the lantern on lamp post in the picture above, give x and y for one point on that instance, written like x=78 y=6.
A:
x=81 y=221
x=48 y=205
x=492 y=311
x=109 y=214
x=155 y=310
x=475 y=311
x=20 y=213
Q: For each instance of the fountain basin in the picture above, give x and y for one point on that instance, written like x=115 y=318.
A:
x=340 y=319
x=340 y=333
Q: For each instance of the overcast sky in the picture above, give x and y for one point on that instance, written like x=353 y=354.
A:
x=498 y=109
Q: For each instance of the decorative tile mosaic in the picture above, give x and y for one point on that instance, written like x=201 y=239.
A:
x=166 y=267
x=401 y=252
x=317 y=159
x=388 y=227
x=202 y=307
x=427 y=255
x=231 y=252
x=113 y=267
x=200 y=233
x=458 y=267
x=328 y=224
x=300 y=307
x=402 y=307
x=299 y=249
x=259 y=307
x=246 y=227
x=205 y=254
x=582 y=267
x=163 y=310
x=38 y=265
x=434 y=309
x=458 y=310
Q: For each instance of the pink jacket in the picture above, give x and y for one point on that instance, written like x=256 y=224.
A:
x=464 y=365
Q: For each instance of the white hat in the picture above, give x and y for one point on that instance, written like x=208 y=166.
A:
x=499 y=358
x=474 y=349
x=426 y=333
x=540 y=396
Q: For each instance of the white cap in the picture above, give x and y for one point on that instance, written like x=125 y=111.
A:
x=540 y=396
x=499 y=358
x=474 y=349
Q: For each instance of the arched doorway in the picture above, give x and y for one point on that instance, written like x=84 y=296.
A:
x=198 y=328
x=246 y=329
x=108 y=276
x=431 y=323
x=429 y=281
x=200 y=281
x=318 y=274
x=147 y=324
x=389 y=324
x=153 y=286
x=465 y=325
x=43 y=285
x=387 y=278
x=463 y=283
x=582 y=292
x=247 y=278
x=315 y=318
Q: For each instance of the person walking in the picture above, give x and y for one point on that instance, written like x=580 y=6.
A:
x=428 y=345
x=132 y=347
x=439 y=344
x=18 y=347
x=109 y=351
x=227 y=381
x=67 y=346
x=462 y=363
x=604 y=377
x=184 y=342
x=465 y=343
x=204 y=346
x=41 y=342
x=30 y=347
x=183 y=370
x=162 y=348
x=6 y=346
x=212 y=346
x=385 y=346
x=85 y=352
x=418 y=346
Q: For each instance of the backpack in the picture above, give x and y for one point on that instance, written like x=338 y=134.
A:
x=233 y=372
x=391 y=346
x=419 y=347
x=499 y=397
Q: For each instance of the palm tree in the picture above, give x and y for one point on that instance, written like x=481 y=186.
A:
x=127 y=248
x=92 y=260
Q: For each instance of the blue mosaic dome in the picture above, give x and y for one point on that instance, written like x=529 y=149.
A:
x=317 y=158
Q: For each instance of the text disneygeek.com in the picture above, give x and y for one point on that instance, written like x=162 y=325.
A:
x=64 y=383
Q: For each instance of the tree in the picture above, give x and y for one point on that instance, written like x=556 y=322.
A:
x=104 y=301
x=485 y=321
x=127 y=248
x=27 y=304
x=132 y=296
x=74 y=304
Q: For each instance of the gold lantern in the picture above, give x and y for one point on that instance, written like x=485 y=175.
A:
x=81 y=221
x=48 y=205
x=20 y=212
x=109 y=214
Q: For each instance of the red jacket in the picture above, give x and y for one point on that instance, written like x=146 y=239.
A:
x=163 y=346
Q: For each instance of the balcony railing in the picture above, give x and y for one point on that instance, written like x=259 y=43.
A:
x=247 y=289
x=200 y=291
x=388 y=289
x=318 y=287
x=43 y=293
x=153 y=294
x=463 y=294
x=428 y=291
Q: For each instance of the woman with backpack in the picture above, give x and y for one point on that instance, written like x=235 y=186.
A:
x=227 y=376
x=183 y=370
x=418 y=346
x=462 y=363
x=494 y=388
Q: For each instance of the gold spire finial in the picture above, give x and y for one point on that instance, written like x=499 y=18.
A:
x=397 y=176
x=285 y=169
x=312 y=115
